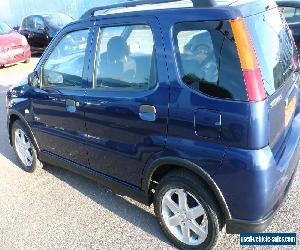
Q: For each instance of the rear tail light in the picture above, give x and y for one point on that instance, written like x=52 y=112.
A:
x=252 y=75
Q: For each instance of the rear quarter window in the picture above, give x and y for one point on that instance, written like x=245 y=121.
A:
x=207 y=59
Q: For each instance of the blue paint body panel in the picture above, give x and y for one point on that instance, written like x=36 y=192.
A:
x=236 y=143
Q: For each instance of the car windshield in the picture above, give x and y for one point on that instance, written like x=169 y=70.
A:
x=59 y=20
x=4 y=28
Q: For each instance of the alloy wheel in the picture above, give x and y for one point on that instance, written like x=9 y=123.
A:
x=185 y=217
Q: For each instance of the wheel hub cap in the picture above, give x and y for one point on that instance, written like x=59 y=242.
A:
x=185 y=217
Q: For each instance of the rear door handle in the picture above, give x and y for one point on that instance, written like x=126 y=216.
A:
x=147 y=113
x=219 y=122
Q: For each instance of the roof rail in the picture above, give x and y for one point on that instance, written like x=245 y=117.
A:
x=130 y=3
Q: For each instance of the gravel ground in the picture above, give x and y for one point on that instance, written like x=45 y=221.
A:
x=56 y=209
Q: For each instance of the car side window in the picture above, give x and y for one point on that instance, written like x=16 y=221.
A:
x=292 y=15
x=197 y=55
x=125 y=59
x=64 y=67
x=201 y=49
x=297 y=16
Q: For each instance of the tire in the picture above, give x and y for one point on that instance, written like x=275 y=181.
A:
x=21 y=136
x=182 y=183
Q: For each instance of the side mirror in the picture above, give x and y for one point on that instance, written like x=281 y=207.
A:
x=33 y=79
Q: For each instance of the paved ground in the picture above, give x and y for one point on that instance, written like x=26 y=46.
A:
x=56 y=209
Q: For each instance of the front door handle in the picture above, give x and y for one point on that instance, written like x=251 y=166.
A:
x=71 y=106
x=147 y=113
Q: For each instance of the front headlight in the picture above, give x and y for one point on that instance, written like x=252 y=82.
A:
x=16 y=93
x=24 y=41
x=12 y=95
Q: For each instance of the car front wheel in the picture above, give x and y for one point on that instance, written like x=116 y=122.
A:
x=24 y=148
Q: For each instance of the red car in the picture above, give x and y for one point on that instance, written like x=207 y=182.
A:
x=13 y=46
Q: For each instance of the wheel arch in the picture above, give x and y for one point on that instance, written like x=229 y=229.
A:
x=161 y=167
x=14 y=116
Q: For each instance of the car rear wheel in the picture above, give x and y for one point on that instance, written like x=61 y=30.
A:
x=187 y=211
x=24 y=148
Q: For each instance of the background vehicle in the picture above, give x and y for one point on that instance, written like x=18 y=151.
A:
x=291 y=11
x=40 y=29
x=13 y=46
x=181 y=104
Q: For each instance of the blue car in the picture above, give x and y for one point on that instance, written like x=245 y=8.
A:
x=190 y=105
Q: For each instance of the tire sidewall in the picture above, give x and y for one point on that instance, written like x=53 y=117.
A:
x=213 y=224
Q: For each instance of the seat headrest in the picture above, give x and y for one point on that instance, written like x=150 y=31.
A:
x=117 y=48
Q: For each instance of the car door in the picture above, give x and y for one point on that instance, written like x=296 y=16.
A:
x=127 y=102
x=59 y=123
x=202 y=81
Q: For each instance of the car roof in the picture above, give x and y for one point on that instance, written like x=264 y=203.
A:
x=46 y=14
x=169 y=5
x=112 y=9
x=234 y=8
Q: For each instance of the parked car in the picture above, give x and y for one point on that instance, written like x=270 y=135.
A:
x=181 y=104
x=40 y=29
x=13 y=46
x=291 y=11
